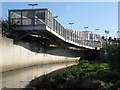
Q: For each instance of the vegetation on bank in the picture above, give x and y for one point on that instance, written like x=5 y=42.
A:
x=113 y=57
x=98 y=75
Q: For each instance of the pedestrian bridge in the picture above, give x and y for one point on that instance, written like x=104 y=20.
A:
x=41 y=22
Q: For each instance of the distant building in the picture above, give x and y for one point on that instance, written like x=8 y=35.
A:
x=118 y=35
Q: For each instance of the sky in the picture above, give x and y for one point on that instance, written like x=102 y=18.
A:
x=102 y=15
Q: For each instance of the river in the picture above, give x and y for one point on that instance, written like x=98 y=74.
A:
x=21 y=77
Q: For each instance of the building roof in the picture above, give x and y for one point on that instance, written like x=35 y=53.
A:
x=28 y=9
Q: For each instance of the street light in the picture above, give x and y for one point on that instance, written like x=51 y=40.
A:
x=32 y=5
x=86 y=28
x=71 y=23
x=97 y=29
x=107 y=32
x=55 y=17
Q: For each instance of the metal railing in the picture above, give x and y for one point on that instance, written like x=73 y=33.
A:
x=72 y=35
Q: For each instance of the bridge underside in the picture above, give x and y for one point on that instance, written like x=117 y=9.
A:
x=44 y=35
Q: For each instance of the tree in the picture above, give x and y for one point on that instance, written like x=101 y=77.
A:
x=8 y=28
x=114 y=56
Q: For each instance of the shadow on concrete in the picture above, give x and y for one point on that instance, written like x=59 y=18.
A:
x=41 y=45
x=58 y=51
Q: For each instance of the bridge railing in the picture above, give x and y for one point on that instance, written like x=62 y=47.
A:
x=80 y=38
x=41 y=17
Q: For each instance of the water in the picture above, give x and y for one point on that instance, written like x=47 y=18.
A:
x=21 y=77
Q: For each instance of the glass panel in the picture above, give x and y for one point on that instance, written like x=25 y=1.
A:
x=91 y=36
x=15 y=14
x=48 y=22
x=28 y=14
x=53 y=23
x=48 y=15
x=17 y=21
x=39 y=21
x=64 y=32
x=59 y=28
x=40 y=14
x=26 y=21
x=61 y=31
x=49 y=19
x=56 y=26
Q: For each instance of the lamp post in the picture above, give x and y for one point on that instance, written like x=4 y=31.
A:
x=87 y=34
x=32 y=20
x=55 y=17
x=86 y=28
x=107 y=32
x=97 y=29
x=32 y=5
x=71 y=23
x=97 y=36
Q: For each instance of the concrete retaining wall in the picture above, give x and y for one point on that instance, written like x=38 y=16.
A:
x=17 y=56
